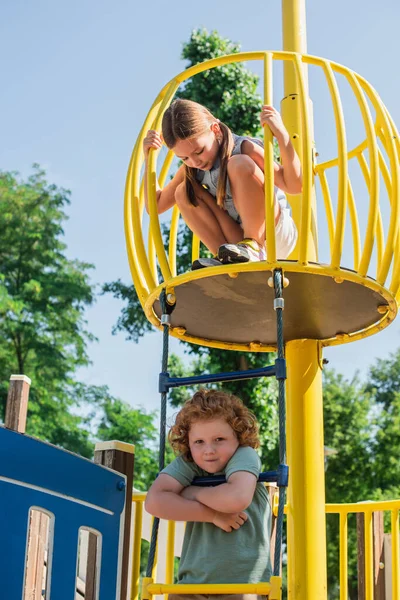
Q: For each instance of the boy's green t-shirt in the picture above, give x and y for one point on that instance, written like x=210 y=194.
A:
x=211 y=555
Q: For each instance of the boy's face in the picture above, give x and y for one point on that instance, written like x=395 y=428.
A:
x=212 y=444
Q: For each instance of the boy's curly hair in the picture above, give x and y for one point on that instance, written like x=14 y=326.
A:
x=207 y=405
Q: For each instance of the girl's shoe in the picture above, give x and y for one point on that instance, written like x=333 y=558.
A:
x=247 y=250
x=203 y=263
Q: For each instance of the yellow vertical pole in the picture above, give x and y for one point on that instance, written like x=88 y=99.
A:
x=306 y=493
x=305 y=443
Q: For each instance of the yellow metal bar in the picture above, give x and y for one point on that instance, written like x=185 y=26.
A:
x=343 y=557
x=355 y=229
x=392 y=148
x=269 y=166
x=356 y=507
x=330 y=219
x=342 y=167
x=151 y=190
x=173 y=236
x=395 y=553
x=378 y=227
x=146 y=583
x=369 y=556
x=195 y=247
x=335 y=161
x=209 y=588
x=305 y=227
x=137 y=540
x=133 y=190
x=374 y=178
x=151 y=250
x=169 y=568
x=305 y=450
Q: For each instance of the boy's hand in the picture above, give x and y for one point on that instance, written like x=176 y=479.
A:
x=229 y=521
x=152 y=140
x=271 y=117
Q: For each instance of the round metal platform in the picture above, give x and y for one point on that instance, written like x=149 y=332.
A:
x=237 y=312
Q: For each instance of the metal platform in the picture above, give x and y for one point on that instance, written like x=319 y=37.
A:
x=216 y=310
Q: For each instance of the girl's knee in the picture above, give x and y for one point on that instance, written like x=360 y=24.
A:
x=241 y=165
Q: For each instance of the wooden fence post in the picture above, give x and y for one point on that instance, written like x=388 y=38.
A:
x=120 y=457
x=15 y=419
x=17 y=403
x=378 y=537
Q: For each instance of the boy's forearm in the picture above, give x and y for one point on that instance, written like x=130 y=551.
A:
x=173 y=507
x=224 y=498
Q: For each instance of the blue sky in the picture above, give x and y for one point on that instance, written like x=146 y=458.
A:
x=78 y=80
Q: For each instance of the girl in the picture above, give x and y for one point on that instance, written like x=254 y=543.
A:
x=220 y=187
x=227 y=534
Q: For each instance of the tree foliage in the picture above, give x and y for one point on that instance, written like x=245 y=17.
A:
x=42 y=301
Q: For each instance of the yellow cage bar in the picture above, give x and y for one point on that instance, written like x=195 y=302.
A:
x=375 y=268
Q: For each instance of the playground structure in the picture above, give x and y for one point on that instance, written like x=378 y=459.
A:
x=328 y=302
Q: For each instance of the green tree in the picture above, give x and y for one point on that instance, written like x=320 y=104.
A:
x=43 y=296
x=134 y=426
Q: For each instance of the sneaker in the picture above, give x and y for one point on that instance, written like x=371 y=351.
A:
x=203 y=263
x=247 y=250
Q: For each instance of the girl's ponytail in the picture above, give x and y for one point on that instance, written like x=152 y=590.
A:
x=225 y=152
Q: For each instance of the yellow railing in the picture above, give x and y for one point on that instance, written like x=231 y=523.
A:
x=342 y=510
x=271 y=589
x=375 y=245
x=367 y=509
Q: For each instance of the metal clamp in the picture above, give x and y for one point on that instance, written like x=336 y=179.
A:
x=279 y=303
x=166 y=320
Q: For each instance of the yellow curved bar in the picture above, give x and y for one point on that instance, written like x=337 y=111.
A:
x=151 y=250
x=195 y=247
x=305 y=227
x=336 y=251
x=378 y=227
x=354 y=227
x=374 y=179
x=151 y=190
x=134 y=263
x=328 y=207
x=269 y=166
x=173 y=236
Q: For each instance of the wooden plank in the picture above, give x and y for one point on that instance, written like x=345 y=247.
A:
x=378 y=537
x=120 y=457
x=17 y=403
x=387 y=548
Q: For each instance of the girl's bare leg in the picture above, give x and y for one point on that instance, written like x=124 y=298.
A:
x=247 y=186
x=210 y=223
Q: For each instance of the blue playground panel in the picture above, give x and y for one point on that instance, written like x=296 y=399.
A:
x=78 y=493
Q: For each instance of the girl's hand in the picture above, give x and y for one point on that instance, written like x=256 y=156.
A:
x=152 y=140
x=271 y=117
x=229 y=521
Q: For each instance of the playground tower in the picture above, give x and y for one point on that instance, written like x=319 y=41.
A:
x=351 y=293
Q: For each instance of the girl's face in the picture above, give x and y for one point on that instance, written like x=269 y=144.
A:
x=199 y=152
x=212 y=444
